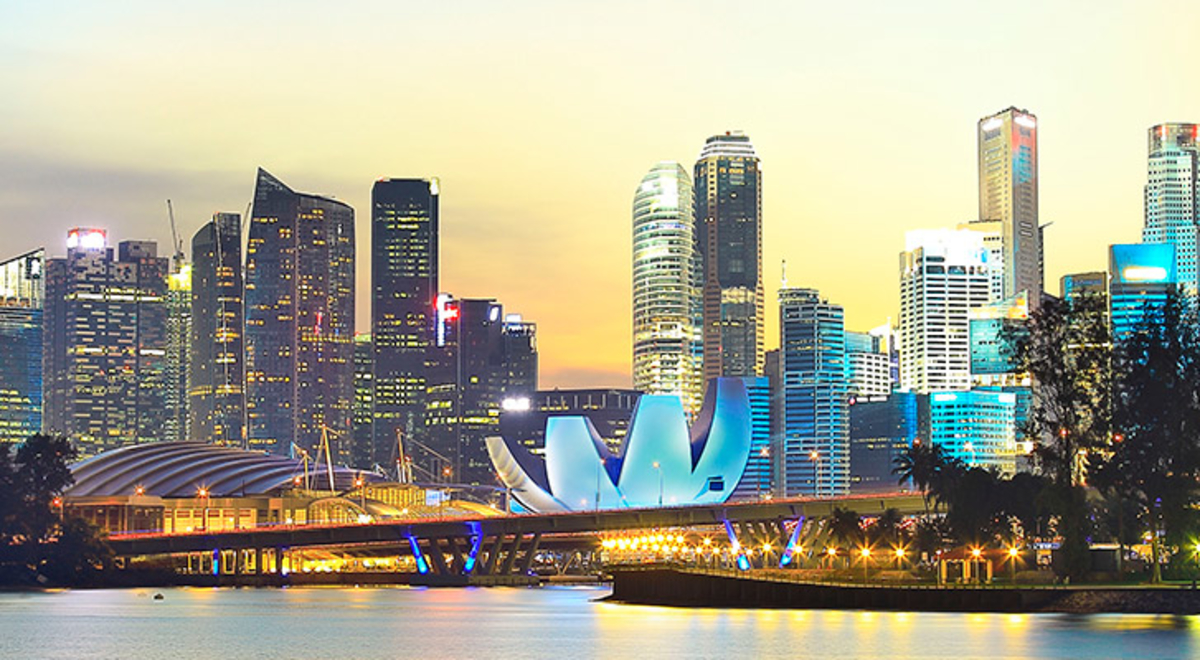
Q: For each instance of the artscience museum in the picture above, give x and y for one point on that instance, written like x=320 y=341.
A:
x=663 y=462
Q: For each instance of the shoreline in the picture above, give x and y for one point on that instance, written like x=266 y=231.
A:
x=671 y=587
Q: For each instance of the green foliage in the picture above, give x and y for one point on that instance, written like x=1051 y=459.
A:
x=35 y=539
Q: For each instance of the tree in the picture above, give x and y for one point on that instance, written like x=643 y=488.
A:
x=1155 y=458
x=845 y=527
x=1066 y=350
x=927 y=466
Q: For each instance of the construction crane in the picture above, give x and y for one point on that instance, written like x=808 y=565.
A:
x=176 y=242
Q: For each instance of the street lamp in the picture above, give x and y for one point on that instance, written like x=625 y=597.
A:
x=362 y=492
x=764 y=453
x=1013 y=554
x=599 y=467
x=658 y=467
x=970 y=446
x=815 y=457
x=865 y=552
x=202 y=493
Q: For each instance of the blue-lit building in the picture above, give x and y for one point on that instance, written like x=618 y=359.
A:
x=992 y=363
x=816 y=433
x=22 y=294
x=1074 y=285
x=1141 y=275
x=756 y=481
x=976 y=427
x=1172 y=198
x=881 y=429
x=664 y=463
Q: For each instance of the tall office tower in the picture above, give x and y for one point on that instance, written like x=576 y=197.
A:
x=363 y=454
x=217 y=395
x=299 y=321
x=667 y=342
x=404 y=288
x=881 y=429
x=1008 y=193
x=1172 y=197
x=1141 y=276
x=1081 y=284
x=728 y=189
x=943 y=274
x=816 y=442
x=479 y=360
x=105 y=340
x=993 y=240
x=179 y=340
x=993 y=326
x=22 y=295
x=868 y=365
x=757 y=482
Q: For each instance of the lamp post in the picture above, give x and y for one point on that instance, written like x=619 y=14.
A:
x=765 y=454
x=362 y=492
x=815 y=457
x=970 y=446
x=202 y=493
x=658 y=467
x=866 y=557
x=599 y=467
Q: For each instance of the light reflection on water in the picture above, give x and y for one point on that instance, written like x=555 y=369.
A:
x=538 y=623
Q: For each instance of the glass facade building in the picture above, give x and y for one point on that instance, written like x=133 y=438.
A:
x=22 y=296
x=881 y=429
x=404 y=289
x=758 y=480
x=105 y=378
x=992 y=363
x=1141 y=275
x=667 y=344
x=728 y=189
x=299 y=321
x=179 y=341
x=868 y=365
x=816 y=434
x=976 y=427
x=1172 y=198
x=1008 y=193
x=216 y=395
x=943 y=275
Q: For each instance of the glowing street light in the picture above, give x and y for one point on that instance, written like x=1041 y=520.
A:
x=658 y=467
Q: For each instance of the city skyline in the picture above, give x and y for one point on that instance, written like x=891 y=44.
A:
x=553 y=221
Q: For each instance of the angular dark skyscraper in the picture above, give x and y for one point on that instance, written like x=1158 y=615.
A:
x=728 y=190
x=404 y=288
x=1008 y=193
x=299 y=320
x=216 y=394
x=22 y=293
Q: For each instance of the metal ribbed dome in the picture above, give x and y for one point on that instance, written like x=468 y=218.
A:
x=179 y=469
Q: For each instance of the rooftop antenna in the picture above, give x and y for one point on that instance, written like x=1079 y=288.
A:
x=783 y=282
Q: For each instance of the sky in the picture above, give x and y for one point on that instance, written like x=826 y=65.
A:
x=540 y=119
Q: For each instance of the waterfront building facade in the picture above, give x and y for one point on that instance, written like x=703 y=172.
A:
x=667 y=332
x=728 y=193
x=299 y=321
x=1008 y=193
x=22 y=297
x=404 y=288
x=816 y=442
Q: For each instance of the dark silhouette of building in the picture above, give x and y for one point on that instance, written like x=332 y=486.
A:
x=299 y=321
x=523 y=420
x=217 y=369
x=404 y=287
x=105 y=343
x=728 y=194
x=479 y=359
x=22 y=294
x=881 y=429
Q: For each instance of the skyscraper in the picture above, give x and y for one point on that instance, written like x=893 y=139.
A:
x=816 y=440
x=299 y=320
x=22 y=296
x=364 y=407
x=479 y=360
x=868 y=365
x=943 y=274
x=216 y=394
x=404 y=288
x=179 y=340
x=667 y=343
x=1172 y=198
x=1008 y=193
x=105 y=345
x=728 y=189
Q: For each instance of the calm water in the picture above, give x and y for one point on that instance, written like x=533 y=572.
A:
x=228 y=624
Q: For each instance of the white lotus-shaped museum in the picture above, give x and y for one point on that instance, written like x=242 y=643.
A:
x=662 y=464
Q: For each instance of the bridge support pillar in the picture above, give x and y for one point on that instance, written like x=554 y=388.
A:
x=439 y=559
x=493 y=554
x=460 y=564
x=511 y=559
x=527 y=560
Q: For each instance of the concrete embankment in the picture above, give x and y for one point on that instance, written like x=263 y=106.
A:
x=694 y=588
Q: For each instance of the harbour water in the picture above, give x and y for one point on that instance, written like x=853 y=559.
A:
x=548 y=622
